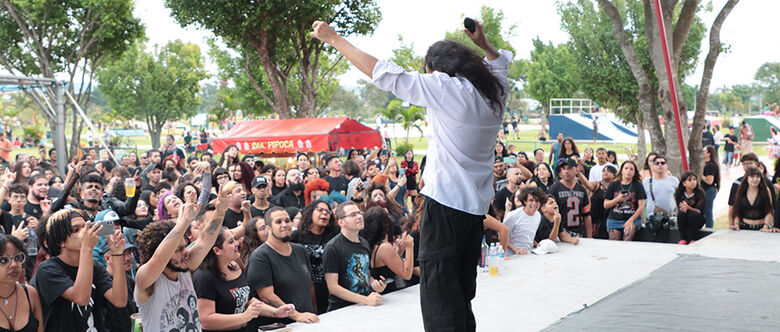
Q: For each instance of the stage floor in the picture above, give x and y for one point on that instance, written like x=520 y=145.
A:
x=534 y=292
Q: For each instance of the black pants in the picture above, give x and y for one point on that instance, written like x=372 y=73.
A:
x=689 y=224
x=449 y=253
x=321 y=293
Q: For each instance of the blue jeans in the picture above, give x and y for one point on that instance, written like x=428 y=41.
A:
x=728 y=157
x=709 y=194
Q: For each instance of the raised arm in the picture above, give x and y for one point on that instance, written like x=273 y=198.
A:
x=151 y=270
x=81 y=291
x=205 y=241
x=117 y=295
x=363 y=61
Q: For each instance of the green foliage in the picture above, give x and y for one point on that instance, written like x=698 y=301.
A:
x=35 y=133
x=407 y=116
x=278 y=63
x=404 y=56
x=492 y=21
x=375 y=100
x=768 y=81
x=400 y=149
x=552 y=73
x=603 y=71
x=346 y=102
x=155 y=87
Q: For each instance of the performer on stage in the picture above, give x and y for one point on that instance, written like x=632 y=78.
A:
x=465 y=98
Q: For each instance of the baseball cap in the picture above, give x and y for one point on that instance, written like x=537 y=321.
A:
x=259 y=181
x=106 y=215
x=157 y=166
x=568 y=161
x=104 y=248
x=546 y=246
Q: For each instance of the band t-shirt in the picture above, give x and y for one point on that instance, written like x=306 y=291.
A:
x=574 y=206
x=624 y=210
x=337 y=184
x=52 y=279
x=255 y=212
x=289 y=275
x=350 y=260
x=173 y=306
x=232 y=218
x=230 y=296
x=315 y=248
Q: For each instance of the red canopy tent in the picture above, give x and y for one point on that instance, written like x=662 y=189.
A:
x=286 y=137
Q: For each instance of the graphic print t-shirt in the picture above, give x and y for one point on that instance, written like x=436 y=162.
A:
x=574 y=206
x=351 y=261
x=173 y=307
x=53 y=278
x=230 y=297
x=624 y=210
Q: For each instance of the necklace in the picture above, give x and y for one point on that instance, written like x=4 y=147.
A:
x=9 y=295
x=11 y=319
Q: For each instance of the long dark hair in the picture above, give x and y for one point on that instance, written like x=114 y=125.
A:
x=456 y=59
x=714 y=158
x=574 y=149
x=636 y=178
x=224 y=153
x=680 y=191
x=308 y=213
x=251 y=239
x=377 y=225
x=763 y=192
x=211 y=261
x=646 y=166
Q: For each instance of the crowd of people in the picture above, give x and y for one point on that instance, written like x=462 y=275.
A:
x=234 y=243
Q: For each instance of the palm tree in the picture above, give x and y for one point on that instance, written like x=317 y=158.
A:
x=406 y=116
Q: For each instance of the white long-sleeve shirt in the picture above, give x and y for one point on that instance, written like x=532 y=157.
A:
x=464 y=125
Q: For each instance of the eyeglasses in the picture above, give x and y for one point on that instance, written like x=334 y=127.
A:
x=658 y=163
x=354 y=214
x=19 y=258
x=323 y=210
x=94 y=186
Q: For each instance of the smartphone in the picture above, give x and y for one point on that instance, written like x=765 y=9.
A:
x=107 y=228
x=402 y=172
x=624 y=192
x=510 y=160
x=469 y=24
x=360 y=186
x=273 y=327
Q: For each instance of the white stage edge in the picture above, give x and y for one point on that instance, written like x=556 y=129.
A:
x=532 y=292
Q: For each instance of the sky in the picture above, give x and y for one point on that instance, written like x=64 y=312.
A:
x=747 y=31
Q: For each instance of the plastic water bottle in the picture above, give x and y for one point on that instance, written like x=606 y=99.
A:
x=492 y=260
x=32 y=246
x=483 y=258
x=500 y=256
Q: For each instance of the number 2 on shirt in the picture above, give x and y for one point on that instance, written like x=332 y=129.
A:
x=573 y=203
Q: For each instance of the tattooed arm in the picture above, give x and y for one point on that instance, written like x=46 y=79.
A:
x=149 y=272
x=205 y=241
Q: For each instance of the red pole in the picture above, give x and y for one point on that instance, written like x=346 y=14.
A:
x=672 y=86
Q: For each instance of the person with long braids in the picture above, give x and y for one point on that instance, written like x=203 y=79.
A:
x=465 y=97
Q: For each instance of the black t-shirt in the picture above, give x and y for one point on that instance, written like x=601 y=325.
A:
x=735 y=186
x=53 y=278
x=627 y=208
x=315 y=247
x=337 y=184
x=29 y=208
x=598 y=213
x=255 y=212
x=351 y=261
x=544 y=229
x=118 y=319
x=499 y=202
x=573 y=205
x=289 y=275
x=710 y=168
x=232 y=218
x=729 y=146
x=230 y=297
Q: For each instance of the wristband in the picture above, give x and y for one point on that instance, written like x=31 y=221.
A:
x=117 y=255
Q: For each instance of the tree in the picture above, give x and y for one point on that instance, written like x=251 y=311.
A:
x=768 y=81
x=683 y=42
x=347 y=102
x=282 y=62
x=408 y=116
x=44 y=37
x=155 y=87
x=551 y=73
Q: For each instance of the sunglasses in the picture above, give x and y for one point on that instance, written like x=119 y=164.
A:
x=19 y=258
x=658 y=163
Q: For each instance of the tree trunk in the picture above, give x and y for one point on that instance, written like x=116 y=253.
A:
x=280 y=104
x=697 y=156
x=154 y=132
x=645 y=94
x=74 y=135
x=642 y=141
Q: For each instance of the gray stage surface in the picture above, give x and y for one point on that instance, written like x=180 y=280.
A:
x=691 y=293
x=534 y=292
